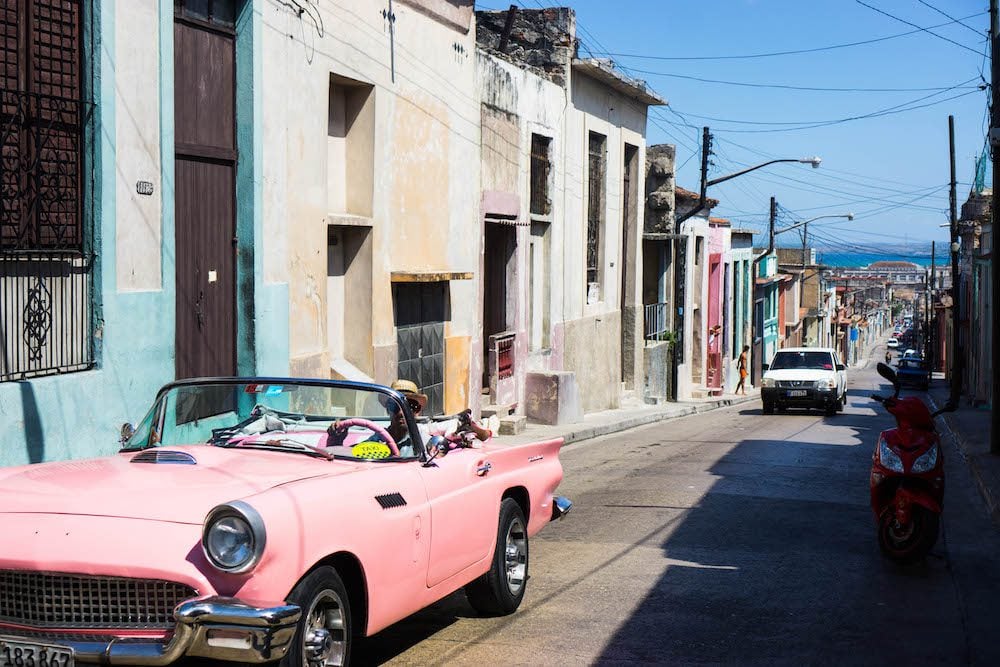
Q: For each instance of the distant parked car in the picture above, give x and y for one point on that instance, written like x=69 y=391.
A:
x=910 y=353
x=804 y=377
x=892 y=344
x=913 y=372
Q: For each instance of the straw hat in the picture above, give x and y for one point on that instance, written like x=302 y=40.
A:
x=409 y=389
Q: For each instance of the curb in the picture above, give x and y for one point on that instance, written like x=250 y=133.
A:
x=988 y=494
x=683 y=410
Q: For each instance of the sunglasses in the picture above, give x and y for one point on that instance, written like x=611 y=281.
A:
x=393 y=407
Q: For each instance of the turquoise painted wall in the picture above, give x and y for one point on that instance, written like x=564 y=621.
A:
x=79 y=415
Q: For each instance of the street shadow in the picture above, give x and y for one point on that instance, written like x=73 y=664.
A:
x=34 y=435
x=778 y=569
x=404 y=635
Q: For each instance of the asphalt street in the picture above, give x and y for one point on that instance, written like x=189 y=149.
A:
x=731 y=538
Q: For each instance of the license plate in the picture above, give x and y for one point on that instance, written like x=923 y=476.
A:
x=797 y=392
x=17 y=653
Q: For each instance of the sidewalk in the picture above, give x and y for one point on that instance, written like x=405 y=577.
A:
x=970 y=428
x=604 y=422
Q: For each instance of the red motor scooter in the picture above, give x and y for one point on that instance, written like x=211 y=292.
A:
x=907 y=477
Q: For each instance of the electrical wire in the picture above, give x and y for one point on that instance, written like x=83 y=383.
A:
x=927 y=30
x=787 y=53
x=952 y=18
x=791 y=87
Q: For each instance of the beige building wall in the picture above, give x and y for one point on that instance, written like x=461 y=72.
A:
x=592 y=330
x=401 y=184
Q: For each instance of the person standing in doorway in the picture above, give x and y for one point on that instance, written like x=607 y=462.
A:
x=741 y=364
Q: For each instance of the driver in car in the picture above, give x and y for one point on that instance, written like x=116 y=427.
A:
x=397 y=423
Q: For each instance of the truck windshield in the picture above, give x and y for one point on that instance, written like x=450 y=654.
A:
x=806 y=360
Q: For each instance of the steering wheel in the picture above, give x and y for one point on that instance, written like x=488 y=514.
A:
x=372 y=426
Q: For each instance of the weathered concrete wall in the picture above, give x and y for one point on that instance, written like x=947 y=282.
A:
x=659 y=203
x=544 y=39
x=592 y=350
x=516 y=103
x=425 y=127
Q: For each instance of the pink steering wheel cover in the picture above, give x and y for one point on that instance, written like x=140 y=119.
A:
x=358 y=421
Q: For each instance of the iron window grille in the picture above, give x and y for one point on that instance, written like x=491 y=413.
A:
x=540 y=168
x=45 y=269
x=595 y=208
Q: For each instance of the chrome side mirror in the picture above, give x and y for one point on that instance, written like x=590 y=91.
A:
x=126 y=433
x=436 y=446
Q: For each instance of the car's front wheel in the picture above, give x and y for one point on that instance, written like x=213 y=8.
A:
x=323 y=637
x=500 y=591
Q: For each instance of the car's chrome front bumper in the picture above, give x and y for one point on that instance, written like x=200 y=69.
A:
x=218 y=628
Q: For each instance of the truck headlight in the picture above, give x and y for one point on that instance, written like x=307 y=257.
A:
x=889 y=458
x=234 y=537
x=767 y=383
x=826 y=384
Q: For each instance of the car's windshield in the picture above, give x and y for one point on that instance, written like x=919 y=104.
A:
x=911 y=364
x=806 y=360
x=280 y=415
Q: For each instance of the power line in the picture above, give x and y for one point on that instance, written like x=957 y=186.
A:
x=786 y=53
x=876 y=9
x=781 y=86
x=833 y=121
x=877 y=114
x=964 y=25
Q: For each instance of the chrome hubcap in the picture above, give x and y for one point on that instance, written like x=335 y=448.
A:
x=324 y=638
x=516 y=556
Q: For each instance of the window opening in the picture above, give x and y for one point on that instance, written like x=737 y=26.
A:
x=595 y=213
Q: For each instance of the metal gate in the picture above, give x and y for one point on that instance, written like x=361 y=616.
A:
x=45 y=260
x=420 y=312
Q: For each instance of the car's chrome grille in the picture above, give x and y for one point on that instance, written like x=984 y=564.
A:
x=52 y=600
x=795 y=384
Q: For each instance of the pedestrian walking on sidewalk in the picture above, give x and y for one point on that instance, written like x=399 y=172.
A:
x=741 y=364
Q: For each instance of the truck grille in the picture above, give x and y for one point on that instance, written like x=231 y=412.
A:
x=51 y=600
x=796 y=384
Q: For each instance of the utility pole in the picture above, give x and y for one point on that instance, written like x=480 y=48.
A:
x=680 y=262
x=955 y=352
x=931 y=337
x=994 y=261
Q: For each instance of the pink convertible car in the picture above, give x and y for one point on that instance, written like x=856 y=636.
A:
x=237 y=525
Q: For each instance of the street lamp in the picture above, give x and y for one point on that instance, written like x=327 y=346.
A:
x=814 y=161
x=680 y=270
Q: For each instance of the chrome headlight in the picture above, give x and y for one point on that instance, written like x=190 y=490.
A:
x=767 y=383
x=926 y=461
x=889 y=458
x=826 y=384
x=233 y=538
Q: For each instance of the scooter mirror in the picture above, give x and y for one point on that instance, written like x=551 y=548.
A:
x=886 y=371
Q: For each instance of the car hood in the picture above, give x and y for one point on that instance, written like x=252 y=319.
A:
x=799 y=374
x=116 y=486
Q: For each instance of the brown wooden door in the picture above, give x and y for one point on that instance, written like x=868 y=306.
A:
x=205 y=179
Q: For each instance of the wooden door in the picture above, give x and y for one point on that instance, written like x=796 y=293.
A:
x=205 y=179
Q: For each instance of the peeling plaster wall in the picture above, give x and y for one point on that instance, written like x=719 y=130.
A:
x=424 y=209
x=516 y=103
x=595 y=329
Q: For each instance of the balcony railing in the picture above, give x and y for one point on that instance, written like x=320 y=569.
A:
x=656 y=322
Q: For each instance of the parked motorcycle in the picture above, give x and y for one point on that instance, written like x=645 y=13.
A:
x=907 y=477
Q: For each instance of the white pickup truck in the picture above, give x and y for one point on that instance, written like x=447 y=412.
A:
x=804 y=377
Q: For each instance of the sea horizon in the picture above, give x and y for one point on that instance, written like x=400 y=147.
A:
x=860 y=260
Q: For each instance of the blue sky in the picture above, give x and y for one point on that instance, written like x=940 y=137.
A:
x=891 y=171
